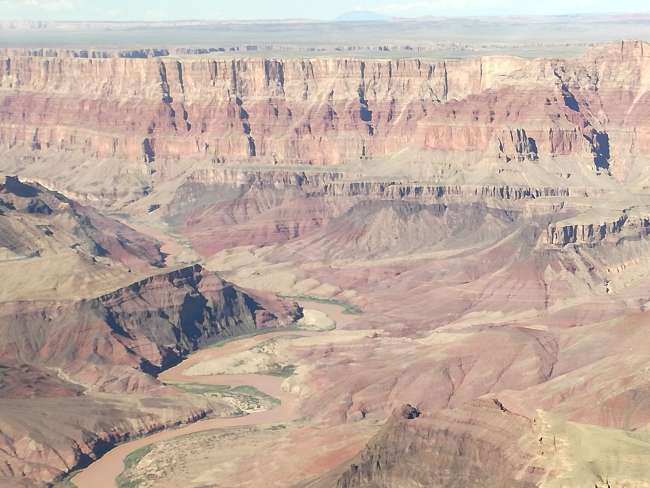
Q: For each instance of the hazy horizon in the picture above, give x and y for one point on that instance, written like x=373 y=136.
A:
x=258 y=10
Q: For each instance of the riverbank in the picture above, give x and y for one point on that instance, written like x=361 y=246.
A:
x=104 y=472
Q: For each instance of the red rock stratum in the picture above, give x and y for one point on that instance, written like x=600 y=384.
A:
x=328 y=111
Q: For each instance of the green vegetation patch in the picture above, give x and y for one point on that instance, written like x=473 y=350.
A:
x=244 y=398
x=125 y=479
x=283 y=371
x=66 y=481
x=348 y=308
x=269 y=345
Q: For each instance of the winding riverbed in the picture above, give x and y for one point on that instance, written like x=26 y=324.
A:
x=103 y=472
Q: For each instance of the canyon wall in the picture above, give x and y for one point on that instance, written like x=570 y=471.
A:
x=590 y=231
x=37 y=222
x=230 y=207
x=329 y=110
x=119 y=341
x=473 y=446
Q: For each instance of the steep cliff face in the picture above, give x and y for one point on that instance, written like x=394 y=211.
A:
x=515 y=144
x=586 y=230
x=65 y=365
x=327 y=111
x=337 y=184
x=218 y=209
x=50 y=426
x=480 y=445
x=374 y=229
x=116 y=341
x=88 y=53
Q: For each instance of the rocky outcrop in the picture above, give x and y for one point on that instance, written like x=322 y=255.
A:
x=64 y=365
x=476 y=446
x=394 y=190
x=121 y=340
x=409 y=412
x=35 y=221
x=516 y=145
x=226 y=208
x=336 y=184
x=86 y=53
x=583 y=231
x=326 y=111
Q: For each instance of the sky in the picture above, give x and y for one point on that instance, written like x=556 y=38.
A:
x=160 y=10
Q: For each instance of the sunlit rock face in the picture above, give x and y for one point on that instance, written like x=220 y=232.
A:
x=328 y=111
x=469 y=241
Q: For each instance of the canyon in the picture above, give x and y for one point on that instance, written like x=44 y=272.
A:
x=437 y=267
x=328 y=111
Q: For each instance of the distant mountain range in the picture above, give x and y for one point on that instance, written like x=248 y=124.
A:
x=362 y=16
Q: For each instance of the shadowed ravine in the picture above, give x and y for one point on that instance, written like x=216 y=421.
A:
x=103 y=472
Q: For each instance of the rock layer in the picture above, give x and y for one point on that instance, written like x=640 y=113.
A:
x=37 y=222
x=588 y=231
x=69 y=355
x=225 y=208
x=116 y=341
x=327 y=111
x=447 y=449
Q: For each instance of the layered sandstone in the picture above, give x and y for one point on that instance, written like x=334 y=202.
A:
x=475 y=306
x=118 y=341
x=36 y=222
x=592 y=228
x=62 y=429
x=449 y=449
x=86 y=53
x=90 y=366
x=338 y=184
x=327 y=111
x=227 y=207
